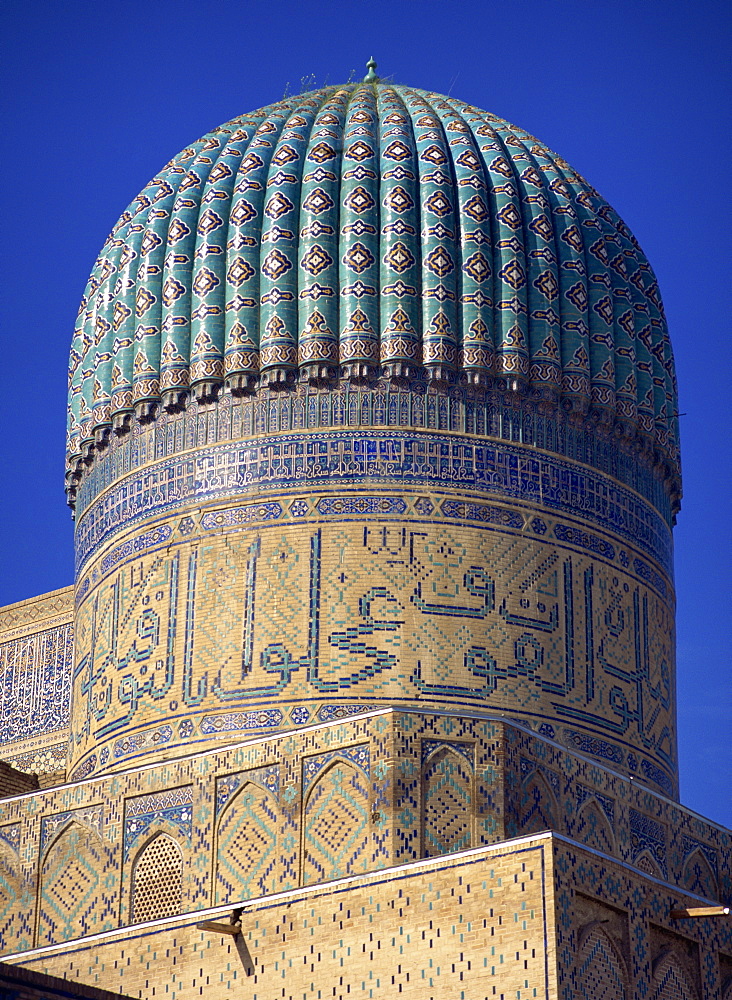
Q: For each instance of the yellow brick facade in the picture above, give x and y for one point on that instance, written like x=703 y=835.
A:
x=327 y=826
x=514 y=920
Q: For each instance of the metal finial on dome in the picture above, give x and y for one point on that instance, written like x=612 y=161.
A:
x=371 y=77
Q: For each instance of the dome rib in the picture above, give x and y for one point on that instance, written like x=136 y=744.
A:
x=397 y=302
x=476 y=275
x=317 y=264
x=438 y=243
x=241 y=351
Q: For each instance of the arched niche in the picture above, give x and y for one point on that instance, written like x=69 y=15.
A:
x=10 y=892
x=601 y=971
x=247 y=859
x=670 y=981
x=593 y=829
x=447 y=803
x=648 y=864
x=156 y=885
x=336 y=831
x=538 y=807
x=698 y=876
x=70 y=901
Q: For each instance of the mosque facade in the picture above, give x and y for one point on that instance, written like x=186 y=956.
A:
x=365 y=685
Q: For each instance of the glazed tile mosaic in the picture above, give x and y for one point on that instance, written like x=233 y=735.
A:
x=36 y=661
x=397 y=230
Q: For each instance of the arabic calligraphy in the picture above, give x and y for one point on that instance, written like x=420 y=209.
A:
x=396 y=611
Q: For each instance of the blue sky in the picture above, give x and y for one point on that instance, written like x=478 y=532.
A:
x=636 y=96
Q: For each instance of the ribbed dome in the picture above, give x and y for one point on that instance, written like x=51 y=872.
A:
x=371 y=230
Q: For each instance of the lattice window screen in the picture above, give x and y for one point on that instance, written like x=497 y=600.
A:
x=157 y=881
x=648 y=866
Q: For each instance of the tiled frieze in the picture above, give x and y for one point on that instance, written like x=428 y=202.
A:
x=458 y=412
x=396 y=459
x=242 y=822
x=439 y=598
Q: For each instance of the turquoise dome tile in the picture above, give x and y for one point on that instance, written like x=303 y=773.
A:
x=363 y=231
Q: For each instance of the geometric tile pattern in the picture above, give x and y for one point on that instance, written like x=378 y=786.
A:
x=91 y=817
x=345 y=821
x=71 y=902
x=447 y=796
x=646 y=863
x=247 y=861
x=380 y=951
x=48 y=760
x=670 y=981
x=698 y=875
x=10 y=890
x=660 y=964
x=373 y=250
x=606 y=805
x=228 y=786
x=172 y=808
x=649 y=836
x=514 y=916
x=539 y=804
x=10 y=836
x=313 y=766
x=592 y=827
x=600 y=972
x=336 y=825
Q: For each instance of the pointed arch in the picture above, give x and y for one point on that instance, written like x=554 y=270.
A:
x=247 y=859
x=336 y=830
x=698 y=876
x=648 y=864
x=70 y=903
x=156 y=889
x=670 y=982
x=601 y=972
x=538 y=806
x=447 y=803
x=593 y=828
